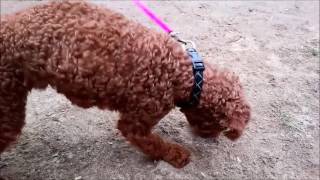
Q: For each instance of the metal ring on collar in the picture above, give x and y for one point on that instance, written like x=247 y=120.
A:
x=184 y=42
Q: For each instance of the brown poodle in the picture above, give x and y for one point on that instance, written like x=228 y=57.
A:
x=97 y=57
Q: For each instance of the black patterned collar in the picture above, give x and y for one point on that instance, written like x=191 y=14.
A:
x=198 y=68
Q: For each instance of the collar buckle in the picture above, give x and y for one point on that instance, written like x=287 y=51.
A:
x=197 y=61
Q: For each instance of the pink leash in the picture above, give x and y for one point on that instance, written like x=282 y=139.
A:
x=152 y=16
x=163 y=25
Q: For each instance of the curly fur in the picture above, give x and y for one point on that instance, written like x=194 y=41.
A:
x=97 y=57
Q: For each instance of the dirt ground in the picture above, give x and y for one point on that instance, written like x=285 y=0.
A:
x=273 y=46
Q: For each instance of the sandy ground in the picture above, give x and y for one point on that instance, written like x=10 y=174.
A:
x=273 y=46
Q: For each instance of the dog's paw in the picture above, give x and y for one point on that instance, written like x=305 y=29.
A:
x=177 y=156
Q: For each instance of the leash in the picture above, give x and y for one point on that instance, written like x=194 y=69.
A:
x=161 y=24
x=152 y=16
x=197 y=62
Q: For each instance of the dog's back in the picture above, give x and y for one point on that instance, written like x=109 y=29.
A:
x=94 y=56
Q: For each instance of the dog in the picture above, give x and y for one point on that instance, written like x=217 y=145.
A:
x=98 y=57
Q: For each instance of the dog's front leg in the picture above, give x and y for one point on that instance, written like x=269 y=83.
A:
x=13 y=98
x=138 y=132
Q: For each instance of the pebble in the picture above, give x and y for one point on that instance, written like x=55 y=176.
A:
x=70 y=155
x=78 y=178
x=55 y=155
x=163 y=172
x=55 y=119
x=214 y=174
x=239 y=160
x=203 y=175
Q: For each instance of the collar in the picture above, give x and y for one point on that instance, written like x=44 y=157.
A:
x=198 y=68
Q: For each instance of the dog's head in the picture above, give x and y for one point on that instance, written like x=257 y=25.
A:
x=210 y=123
x=222 y=107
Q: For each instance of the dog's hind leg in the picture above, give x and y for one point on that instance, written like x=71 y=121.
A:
x=13 y=96
x=138 y=132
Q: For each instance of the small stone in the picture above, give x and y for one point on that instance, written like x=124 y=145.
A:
x=70 y=155
x=214 y=174
x=78 y=178
x=163 y=172
x=55 y=155
x=3 y=165
x=203 y=174
x=55 y=119
x=314 y=52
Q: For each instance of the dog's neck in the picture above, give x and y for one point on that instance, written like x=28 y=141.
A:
x=184 y=79
x=183 y=73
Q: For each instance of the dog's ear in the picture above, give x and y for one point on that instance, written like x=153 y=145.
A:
x=237 y=125
x=235 y=130
x=238 y=121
